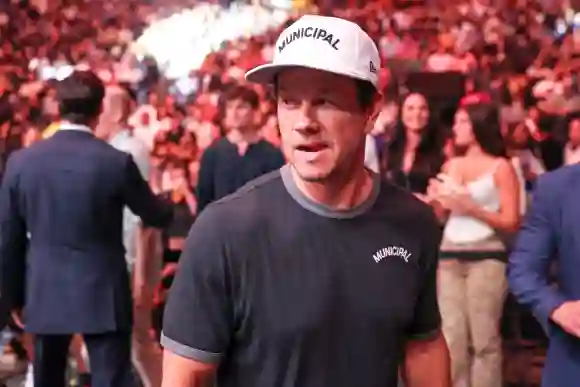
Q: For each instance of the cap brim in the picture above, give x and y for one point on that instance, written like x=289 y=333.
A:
x=266 y=74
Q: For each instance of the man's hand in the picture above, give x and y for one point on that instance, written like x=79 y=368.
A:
x=567 y=316
x=427 y=363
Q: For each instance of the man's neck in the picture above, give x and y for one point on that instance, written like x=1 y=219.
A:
x=243 y=140
x=243 y=137
x=338 y=193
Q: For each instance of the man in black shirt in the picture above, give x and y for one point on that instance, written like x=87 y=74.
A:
x=319 y=274
x=242 y=155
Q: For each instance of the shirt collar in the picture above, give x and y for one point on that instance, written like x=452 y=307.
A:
x=70 y=126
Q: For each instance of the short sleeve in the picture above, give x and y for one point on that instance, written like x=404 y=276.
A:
x=198 y=317
x=427 y=319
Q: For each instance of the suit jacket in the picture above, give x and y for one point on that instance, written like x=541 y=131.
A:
x=551 y=235
x=61 y=217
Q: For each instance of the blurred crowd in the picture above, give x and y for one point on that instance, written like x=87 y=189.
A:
x=521 y=56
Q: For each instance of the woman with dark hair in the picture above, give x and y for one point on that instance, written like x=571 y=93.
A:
x=414 y=154
x=478 y=194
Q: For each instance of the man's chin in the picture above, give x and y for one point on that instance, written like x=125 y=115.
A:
x=312 y=175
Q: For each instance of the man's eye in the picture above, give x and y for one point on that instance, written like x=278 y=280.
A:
x=324 y=102
x=289 y=101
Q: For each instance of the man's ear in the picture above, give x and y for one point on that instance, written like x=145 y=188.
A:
x=373 y=113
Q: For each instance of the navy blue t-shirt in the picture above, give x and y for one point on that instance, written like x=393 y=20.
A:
x=223 y=170
x=284 y=292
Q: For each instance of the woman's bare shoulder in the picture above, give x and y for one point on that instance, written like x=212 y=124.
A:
x=452 y=164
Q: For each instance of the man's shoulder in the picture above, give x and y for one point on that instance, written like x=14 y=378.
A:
x=217 y=145
x=268 y=146
x=562 y=173
x=214 y=149
x=245 y=207
x=15 y=161
x=250 y=193
x=105 y=149
x=559 y=180
x=36 y=151
x=92 y=146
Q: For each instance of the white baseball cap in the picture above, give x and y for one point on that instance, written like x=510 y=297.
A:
x=323 y=43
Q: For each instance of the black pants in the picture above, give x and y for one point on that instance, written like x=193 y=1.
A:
x=109 y=353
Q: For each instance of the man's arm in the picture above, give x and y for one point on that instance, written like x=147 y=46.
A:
x=427 y=362
x=13 y=243
x=180 y=371
x=199 y=316
x=529 y=263
x=141 y=200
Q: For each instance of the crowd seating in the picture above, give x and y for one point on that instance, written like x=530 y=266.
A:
x=181 y=42
x=176 y=62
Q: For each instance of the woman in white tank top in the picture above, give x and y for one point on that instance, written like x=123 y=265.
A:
x=478 y=197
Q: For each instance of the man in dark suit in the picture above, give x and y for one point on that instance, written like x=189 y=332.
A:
x=61 y=211
x=551 y=236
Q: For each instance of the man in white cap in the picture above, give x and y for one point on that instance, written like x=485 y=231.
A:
x=318 y=274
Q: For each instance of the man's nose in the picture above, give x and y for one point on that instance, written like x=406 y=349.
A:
x=306 y=122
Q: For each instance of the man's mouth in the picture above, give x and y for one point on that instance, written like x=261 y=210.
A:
x=316 y=147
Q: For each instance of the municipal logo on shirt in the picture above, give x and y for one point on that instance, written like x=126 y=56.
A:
x=392 y=251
